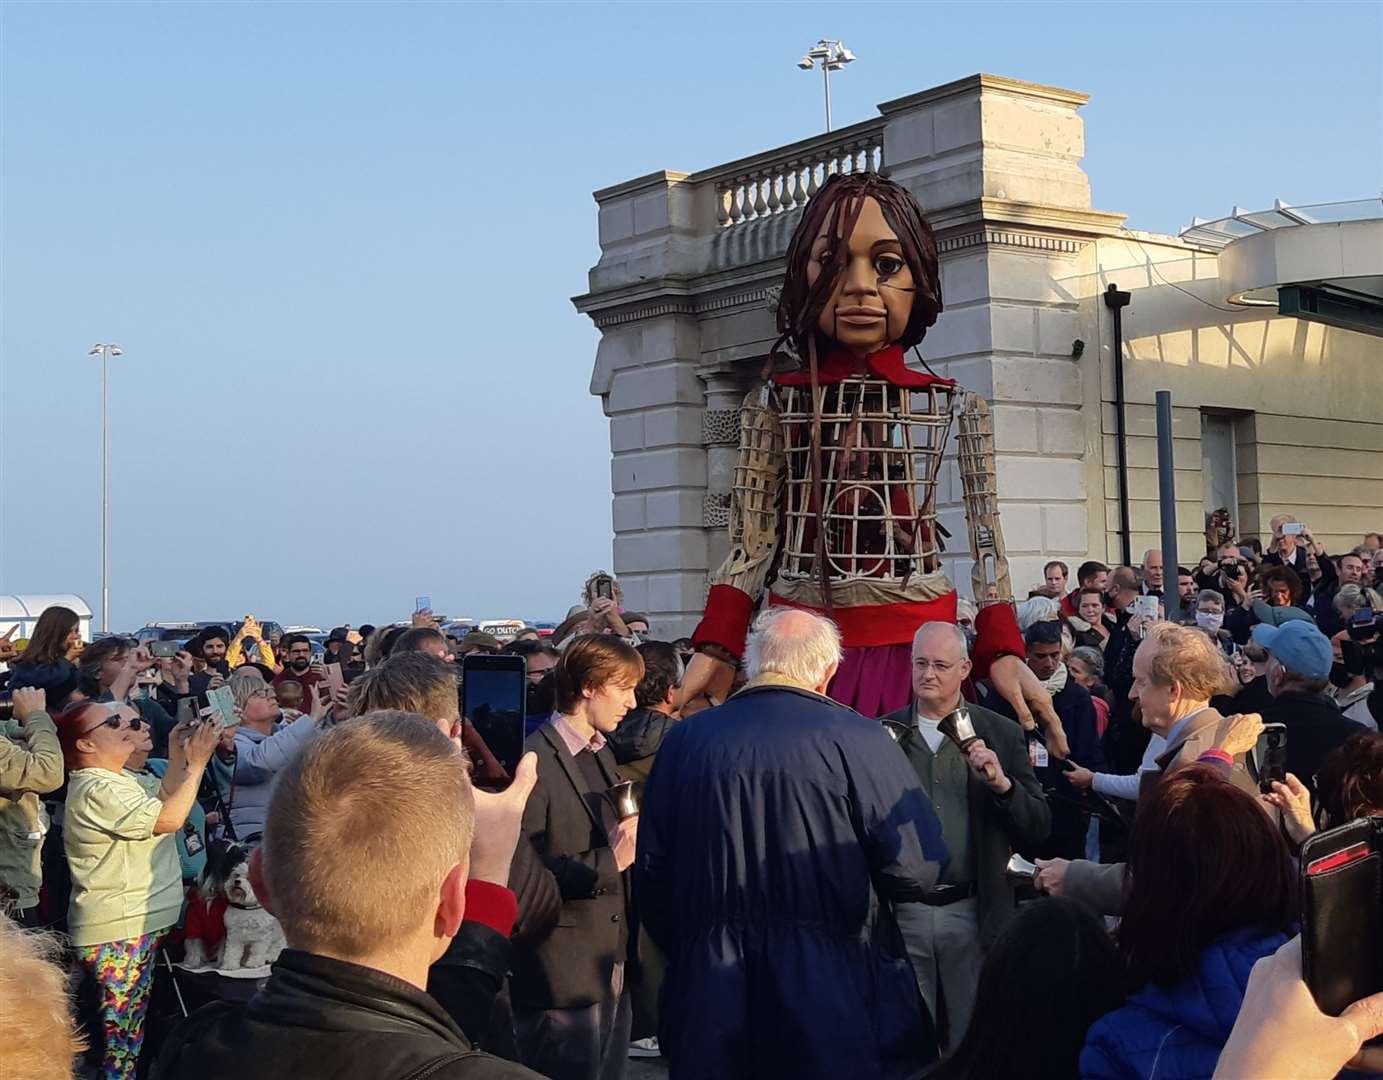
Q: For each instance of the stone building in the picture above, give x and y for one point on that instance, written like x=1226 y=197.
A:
x=1273 y=411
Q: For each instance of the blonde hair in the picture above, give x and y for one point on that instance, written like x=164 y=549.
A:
x=411 y=682
x=362 y=829
x=1187 y=657
x=41 y=1040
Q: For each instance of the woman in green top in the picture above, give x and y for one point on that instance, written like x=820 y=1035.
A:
x=126 y=880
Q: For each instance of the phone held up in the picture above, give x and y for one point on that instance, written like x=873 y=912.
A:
x=423 y=603
x=1270 y=756
x=494 y=694
x=163 y=650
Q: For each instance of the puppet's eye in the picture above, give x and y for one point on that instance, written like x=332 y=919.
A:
x=888 y=265
x=824 y=256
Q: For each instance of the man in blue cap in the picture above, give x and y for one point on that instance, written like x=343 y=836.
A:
x=1299 y=661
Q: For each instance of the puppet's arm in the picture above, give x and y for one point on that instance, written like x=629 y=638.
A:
x=999 y=652
x=739 y=581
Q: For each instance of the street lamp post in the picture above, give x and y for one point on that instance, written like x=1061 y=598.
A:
x=832 y=55
x=105 y=351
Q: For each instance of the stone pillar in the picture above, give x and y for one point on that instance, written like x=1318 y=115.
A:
x=646 y=377
x=720 y=433
x=995 y=163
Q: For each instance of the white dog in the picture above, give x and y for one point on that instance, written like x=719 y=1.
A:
x=254 y=938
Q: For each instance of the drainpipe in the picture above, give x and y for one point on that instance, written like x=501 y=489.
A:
x=1116 y=301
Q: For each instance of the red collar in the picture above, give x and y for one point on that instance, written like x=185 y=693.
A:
x=885 y=364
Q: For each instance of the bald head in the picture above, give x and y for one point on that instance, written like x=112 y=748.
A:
x=798 y=646
x=941 y=635
x=940 y=665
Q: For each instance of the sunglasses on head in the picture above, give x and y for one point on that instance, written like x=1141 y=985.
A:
x=113 y=722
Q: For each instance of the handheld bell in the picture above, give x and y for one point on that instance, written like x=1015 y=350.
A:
x=959 y=728
x=895 y=730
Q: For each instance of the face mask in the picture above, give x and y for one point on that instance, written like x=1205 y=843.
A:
x=541 y=697
x=1210 y=620
x=301 y=665
x=1340 y=676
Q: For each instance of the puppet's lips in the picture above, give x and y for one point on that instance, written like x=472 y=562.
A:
x=859 y=315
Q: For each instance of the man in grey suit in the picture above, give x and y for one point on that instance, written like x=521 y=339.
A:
x=989 y=802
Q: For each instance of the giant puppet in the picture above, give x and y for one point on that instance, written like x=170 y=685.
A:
x=833 y=507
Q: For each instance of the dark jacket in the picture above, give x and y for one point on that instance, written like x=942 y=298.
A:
x=637 y=739
x=1177 y=1032
x=1315 y=726
x=56 y=678
x=775 y=829
x=317 y=1017
x=1070 y=806
x=1018 y=820
x=1253 y=697
x=573 y=966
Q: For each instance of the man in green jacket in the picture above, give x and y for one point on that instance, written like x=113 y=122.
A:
x=30 y=766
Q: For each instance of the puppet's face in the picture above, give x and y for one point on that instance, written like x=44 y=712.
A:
x=872 y=300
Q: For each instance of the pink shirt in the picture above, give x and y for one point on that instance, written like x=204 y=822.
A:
x=574 y=741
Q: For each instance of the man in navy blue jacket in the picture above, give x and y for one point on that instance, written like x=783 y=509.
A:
x=775 y=831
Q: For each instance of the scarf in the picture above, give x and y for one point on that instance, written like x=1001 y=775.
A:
x=1057 y=683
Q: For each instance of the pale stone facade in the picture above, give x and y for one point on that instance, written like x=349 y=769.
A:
x=683 y=297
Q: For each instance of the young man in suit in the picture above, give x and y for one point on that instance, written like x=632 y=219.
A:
x=572 y=1010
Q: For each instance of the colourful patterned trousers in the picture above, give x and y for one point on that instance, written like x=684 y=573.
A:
x=124 y=971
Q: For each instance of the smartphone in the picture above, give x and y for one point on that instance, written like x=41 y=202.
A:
x=335 y=680
x=1270 y=756
x=221 y=702
x=494 y=694
x=423 y=603
x=1146 y=606
x=164 y=649
x=605 y=588
x=1293 y=528
x=1341 y=914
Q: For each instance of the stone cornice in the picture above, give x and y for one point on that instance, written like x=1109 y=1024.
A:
x=649 y=182
x=971 y=85
x=984 y=223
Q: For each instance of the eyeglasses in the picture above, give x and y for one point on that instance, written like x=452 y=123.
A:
x=265 y=691
x=113 y=722
x=939 y=666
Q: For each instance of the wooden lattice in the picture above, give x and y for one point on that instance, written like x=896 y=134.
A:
x=881 y=450
x=979 y=484
x=754 y=495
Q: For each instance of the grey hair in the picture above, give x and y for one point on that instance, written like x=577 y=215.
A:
x=1354 y=597
x=798 y=645
x=966 y=609
x=1036 y=609
x=243 y=682
x=1092 y=658
x=1210 y=594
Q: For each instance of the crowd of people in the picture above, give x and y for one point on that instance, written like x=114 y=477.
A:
x=745 y=878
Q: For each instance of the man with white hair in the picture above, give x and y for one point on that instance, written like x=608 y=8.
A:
x=775 y=831
x=988 y=801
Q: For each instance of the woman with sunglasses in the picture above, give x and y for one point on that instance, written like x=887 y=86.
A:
x=118 y=832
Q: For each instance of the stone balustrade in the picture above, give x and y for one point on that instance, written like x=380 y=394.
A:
x=784 y=179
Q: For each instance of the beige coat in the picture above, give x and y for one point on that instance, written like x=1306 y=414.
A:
x=30 y=766
x=1100 y=886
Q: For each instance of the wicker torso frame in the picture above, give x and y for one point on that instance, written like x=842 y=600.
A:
x=881 y=451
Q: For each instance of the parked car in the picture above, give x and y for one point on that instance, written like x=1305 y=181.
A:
x=183 y=632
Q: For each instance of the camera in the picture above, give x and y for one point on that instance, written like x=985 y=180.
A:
x=163 y=649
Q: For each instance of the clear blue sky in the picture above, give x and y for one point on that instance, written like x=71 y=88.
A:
x=338 y=242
